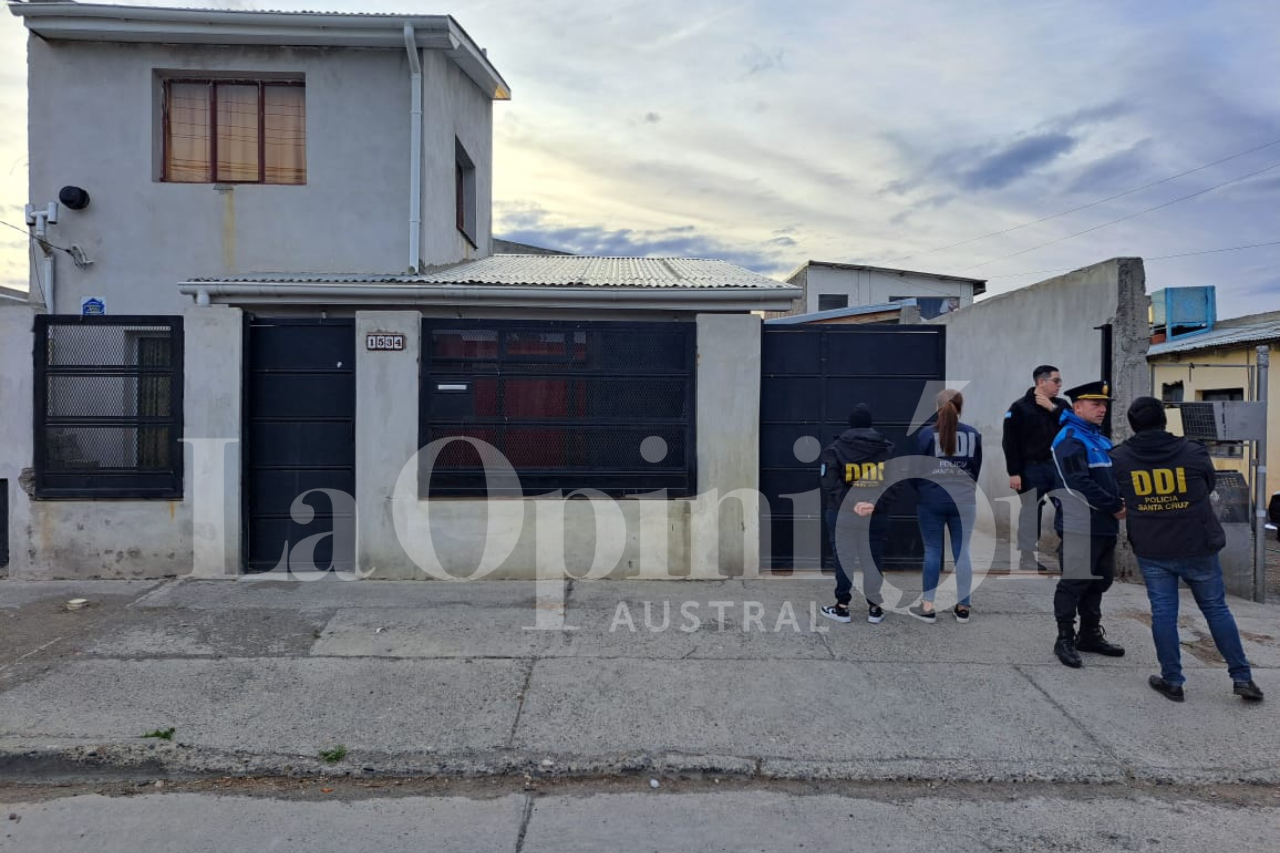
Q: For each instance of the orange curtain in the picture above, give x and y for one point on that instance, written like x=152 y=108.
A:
x=237 y=132
x=187 y=154
x=285 y=132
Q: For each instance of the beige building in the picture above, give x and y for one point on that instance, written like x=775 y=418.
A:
x=1221 y=364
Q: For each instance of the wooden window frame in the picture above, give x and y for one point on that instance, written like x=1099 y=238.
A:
x=213 y=83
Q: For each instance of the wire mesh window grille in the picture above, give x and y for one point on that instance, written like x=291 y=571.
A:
x=571 y=405
x=108 y=407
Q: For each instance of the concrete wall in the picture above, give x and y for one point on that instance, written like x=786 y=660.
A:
x=993 y=345
x=728 y=539
x=134 y=538
x=16 y=395
x=95 y=122
x=213 y=418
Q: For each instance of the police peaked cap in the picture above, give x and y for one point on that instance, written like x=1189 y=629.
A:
x=1100 y=390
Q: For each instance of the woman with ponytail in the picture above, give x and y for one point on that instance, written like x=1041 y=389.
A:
x=948 y=501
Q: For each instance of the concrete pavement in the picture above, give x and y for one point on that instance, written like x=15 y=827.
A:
x=641 y=821
x=738 y=678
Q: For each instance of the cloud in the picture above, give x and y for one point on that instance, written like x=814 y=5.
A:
x=757 y=61
x=1016 y=160
x=652 y=118
x=1114 y=172
x=536 y=227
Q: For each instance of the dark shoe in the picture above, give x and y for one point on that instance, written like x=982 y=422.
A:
x=838 y=612
x=875 y=614
x=1095 y=640
x=918 y=611
x=1169 y=691
x=1248 y=691
x=1065 y=649
x=962 y=613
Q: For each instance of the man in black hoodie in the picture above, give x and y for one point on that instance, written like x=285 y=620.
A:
x=1030 y=425
x=1166 y=481
x=852 y=481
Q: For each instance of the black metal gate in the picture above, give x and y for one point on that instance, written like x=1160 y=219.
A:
x=300 y=405
x=811 y=377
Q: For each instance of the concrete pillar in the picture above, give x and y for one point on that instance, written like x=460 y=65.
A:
x=17 y=321
x=726 y=535
x=387 y=392
x=213 y=373
x=1130 y=374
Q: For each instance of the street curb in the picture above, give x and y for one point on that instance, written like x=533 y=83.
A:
x=50 y=760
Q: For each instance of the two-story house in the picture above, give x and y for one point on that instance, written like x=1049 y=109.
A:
x=264 y=280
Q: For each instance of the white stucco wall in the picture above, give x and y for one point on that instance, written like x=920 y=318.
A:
x=94 y=122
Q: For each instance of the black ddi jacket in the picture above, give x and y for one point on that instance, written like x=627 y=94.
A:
x=1166 y=481
x=855 y=460
x=1028 y=432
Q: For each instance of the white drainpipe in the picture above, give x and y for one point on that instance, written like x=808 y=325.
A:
x=415 y=149
x=47 y=261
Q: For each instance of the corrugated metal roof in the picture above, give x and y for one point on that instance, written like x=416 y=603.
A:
x=553 y=271
x=1259 y=332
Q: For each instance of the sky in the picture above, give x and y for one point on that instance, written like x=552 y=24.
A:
x=903 y=135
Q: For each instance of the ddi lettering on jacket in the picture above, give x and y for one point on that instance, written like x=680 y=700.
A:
x=1161 y=489
x=863 y=475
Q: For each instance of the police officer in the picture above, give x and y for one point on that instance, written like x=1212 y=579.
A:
x=1030 y=425
x=1166 y=480
x=1088 y=524
x=852 y=481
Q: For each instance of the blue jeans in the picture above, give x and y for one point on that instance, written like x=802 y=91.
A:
x=1204 y=576
x=934 y=518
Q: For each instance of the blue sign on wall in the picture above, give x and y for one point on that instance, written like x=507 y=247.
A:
x=93 y=307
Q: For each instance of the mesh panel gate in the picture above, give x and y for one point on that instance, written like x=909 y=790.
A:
x=108 y=407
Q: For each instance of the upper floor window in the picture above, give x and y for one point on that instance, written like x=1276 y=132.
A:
x=235 y=131
x=464 y=185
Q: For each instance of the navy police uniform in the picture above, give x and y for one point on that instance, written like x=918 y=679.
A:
x=1090 y=498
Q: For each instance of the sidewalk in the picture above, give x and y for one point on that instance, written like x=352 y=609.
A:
x=428 y=678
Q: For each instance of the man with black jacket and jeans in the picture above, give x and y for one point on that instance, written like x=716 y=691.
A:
x=1030 y=425
x=1088 y=524
x=1166 y=481
x=852 y=481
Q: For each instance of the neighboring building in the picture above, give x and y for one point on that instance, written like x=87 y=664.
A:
x=279 y=227
x=901 y=313
x=831 y=286
x=1221 y=364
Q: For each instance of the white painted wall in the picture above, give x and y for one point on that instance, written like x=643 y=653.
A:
x=94 y=122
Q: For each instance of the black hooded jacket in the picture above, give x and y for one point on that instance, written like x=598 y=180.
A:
x=1166 y=481
x=1028 y=432
x=855 y=460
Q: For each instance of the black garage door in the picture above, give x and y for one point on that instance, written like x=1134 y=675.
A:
x=300 y=422
x=811 y=376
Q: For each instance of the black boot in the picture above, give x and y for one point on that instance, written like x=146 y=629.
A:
x=1065 y=648
x=1094 y=639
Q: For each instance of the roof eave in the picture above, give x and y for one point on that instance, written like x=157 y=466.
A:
x=77 y=22
x=720 y=299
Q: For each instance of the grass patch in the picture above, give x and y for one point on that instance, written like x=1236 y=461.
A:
x=163 y=734
x=334 y=754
